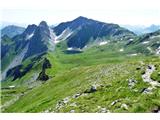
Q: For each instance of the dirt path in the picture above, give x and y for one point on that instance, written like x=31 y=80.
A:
x=10 y=102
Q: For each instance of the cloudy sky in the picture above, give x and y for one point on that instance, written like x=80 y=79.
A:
x=133 y=12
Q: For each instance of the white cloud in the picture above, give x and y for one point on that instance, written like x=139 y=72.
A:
x=80 y=4
x=54 y=11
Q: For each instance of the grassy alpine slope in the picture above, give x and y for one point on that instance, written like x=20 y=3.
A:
x=101 y=79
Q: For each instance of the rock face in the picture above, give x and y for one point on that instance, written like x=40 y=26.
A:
x=15 y=72
x=85 y=29
x=6 y=43
x=19 y=71
x=16 y=61
x=29 y=30
x=36 y=37
x=39 y=40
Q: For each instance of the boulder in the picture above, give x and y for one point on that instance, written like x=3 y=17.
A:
x=92 y=89
x=72 y=111
x=138 y=68
x=76 y=95
x=114 y=102
x=149 y=67
x=66 y=100
x=73 y=104
x=132 y=82
x=103 y=110
x=124 y=106
x=147 y=90
x=156 y=110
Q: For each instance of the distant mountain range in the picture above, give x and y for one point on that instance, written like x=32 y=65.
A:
x=12 y=30
x=139 y=30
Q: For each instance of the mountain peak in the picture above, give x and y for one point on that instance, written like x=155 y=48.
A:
x=43 y=24
x=81 y=18
x=43 y=27
x=40 y=38
x=30 y=29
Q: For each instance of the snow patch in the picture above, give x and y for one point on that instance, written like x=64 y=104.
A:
x=130 y=39
x=76 y=49
x=150 y=49
x=52 y=35
x=64 y=35
x=29 y=36
x=158 y=51
x=85 y=46
x=158 y=42
x=56 y=41
x=70 y=48
x=121 y=50
x=103 y=43
x=51 y=41
x=145 y=42
x=12 y=86
x=135 y=54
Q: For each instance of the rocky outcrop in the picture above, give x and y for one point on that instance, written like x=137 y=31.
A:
x=156 y=110
x=147 y=78
x=46 y=64
x=42 y=75
x=93 y=88
x=19 y=71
